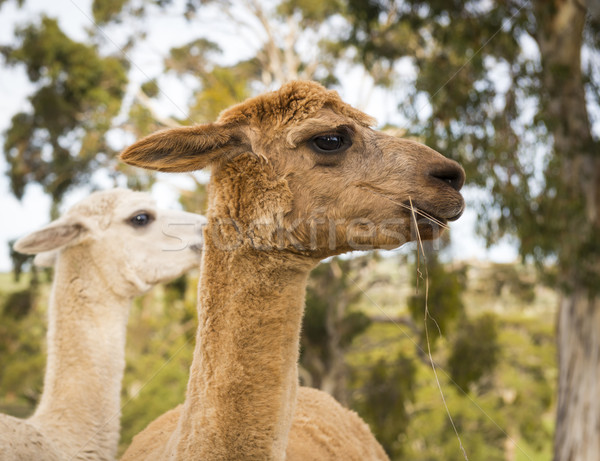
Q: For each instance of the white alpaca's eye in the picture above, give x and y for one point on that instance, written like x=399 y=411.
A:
x=141 y=219
x=330 y=143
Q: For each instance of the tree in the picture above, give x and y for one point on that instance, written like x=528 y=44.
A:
x=438 y=300
x=60 y=141
x=479 y=86
x=331 y=323
x=383 y=399
x=474 y=350
x=506 y=87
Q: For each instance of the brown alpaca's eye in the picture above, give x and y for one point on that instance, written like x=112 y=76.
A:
x=141 y=219
x=330 y=143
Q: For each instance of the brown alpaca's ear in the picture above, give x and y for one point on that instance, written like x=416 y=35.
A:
x=186 y=148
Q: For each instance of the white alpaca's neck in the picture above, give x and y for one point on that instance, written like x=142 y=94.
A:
x=242 y=388
x=80 y=402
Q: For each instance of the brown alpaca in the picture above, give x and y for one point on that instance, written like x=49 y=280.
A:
x=297 y=176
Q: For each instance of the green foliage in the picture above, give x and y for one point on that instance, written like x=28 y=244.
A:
x=312 y=11
x=142 y=120
x=160 y=344
x=430 y=435
x=150 y=88
x=19 y=260
x=222 y=88
x=107 y=10
x=18 y=2
x=518 y=122
x=78 y=93
x=474 y=350
x=331 y=321
x=384 y=397
x=380 y=35
x=18 y=304
x=441 y=298
x=389 y=382
x=22 y=358
x=195 y=200
x=314 y=327
x=506 y=277
x=193 y=58
x=395 y=391
x=218 y=86
x=526 y=381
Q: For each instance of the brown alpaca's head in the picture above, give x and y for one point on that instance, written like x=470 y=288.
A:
x=298 y=169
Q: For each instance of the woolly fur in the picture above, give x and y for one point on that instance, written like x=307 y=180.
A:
x=272 y=200
x=102 y=263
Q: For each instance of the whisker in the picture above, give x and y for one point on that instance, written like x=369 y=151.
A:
x=410 y=208
x=424 y=214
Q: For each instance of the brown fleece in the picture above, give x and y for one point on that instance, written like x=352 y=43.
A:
x=277 y=205
x=322 y=429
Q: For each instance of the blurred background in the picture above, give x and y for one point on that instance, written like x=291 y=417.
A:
x=508 y=88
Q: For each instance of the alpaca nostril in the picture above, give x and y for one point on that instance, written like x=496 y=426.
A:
x=451 y=173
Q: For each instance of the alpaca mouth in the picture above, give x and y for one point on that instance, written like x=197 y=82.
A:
x=458 y=214
x=426 y=218
x=453 y=215
x=439 y=216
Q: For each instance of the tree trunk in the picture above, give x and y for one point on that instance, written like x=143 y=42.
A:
x=334 y=378
x=326 y=368
x=559 y=34
x=578 y=415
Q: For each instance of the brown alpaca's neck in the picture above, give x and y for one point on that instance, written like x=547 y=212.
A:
x=80 y=403
x=242 y=388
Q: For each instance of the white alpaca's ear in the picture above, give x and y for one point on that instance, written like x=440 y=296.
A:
x=187 y=148
x=55 y=235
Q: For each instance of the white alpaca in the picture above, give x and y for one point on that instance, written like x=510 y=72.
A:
x=109 y=248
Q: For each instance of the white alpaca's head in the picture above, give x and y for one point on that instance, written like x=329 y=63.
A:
x=122 y=235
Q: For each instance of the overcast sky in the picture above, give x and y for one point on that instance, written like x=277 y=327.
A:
x=166 y=31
